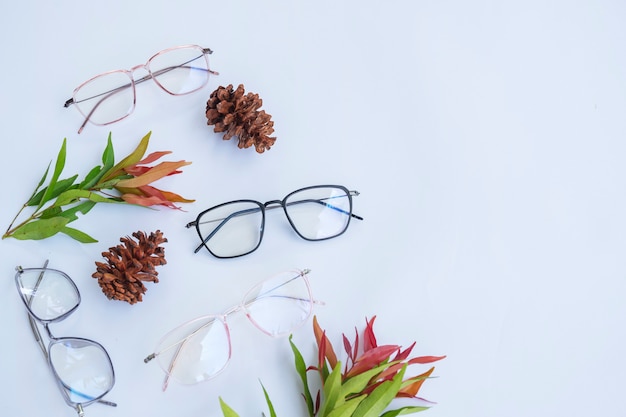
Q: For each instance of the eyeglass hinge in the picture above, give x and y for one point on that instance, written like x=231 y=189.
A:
x=354 y=193
x=190 y=224
x=69 y=102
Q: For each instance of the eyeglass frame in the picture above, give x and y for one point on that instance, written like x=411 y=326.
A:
x=302 y=273
x=132 y=84
x=270 y=205
x=33 y=320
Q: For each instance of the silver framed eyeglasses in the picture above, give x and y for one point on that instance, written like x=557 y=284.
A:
x=200 y=349
x=110 y=97
x=236 y=228
x=81 y=367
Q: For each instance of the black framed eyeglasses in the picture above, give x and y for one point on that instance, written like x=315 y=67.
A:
x=81 y=367
x=235 y=228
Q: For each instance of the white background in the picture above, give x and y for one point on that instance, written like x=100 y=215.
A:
x=486 y=138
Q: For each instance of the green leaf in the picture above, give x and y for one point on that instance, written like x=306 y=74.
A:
x=108 y=156
x=40 y=229
x=269 y=403
x=332 y=391
x=97 y=172
x=404 y=410
x=347 y=408
x=91 y=178
x=58 y=168
x=358 y=382
x=71 y=196
x=380 y=397
x=83 y=208
x=301 y=370
x=226 y=410
x=51 y=212
x=78 y=235
x=108 y=184
x=41 y=181
x=60 y=187
x=131 y=159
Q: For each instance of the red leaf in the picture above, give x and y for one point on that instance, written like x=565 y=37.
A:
x=372 y=358
x=355 y=352
x=404 y=354
x=153 y=157
x=347 y=346
x=391 y=371
x=368 y=335
x=136 y=171
x=425 y=359
x=318 y=400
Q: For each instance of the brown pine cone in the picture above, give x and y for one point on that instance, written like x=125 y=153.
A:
x=238 y=115
x=129 y=264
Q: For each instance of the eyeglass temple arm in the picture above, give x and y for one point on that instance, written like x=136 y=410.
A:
x=31 y=321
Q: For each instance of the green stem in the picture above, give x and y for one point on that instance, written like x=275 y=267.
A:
x=10 y=230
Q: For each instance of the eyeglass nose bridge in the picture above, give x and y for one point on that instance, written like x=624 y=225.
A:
x=148 y=76
x=272 y=204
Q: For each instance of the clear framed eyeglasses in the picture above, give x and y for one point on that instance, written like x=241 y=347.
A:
x=201 y=348
x=82 y=367
x=110 y=97
x=236 y=228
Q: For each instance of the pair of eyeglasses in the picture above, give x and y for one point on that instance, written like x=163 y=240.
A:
x=82 y=367
x=110 y=97
x=236 y=228
x=201 y=348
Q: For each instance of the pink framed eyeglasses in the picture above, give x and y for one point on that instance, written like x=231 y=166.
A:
x=201 y=348
x=110 y=97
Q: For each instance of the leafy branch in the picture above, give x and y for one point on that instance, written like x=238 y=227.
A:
x=373 y=376
x=127 y=182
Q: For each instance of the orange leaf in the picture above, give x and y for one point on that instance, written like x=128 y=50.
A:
x=324 y=344
x=146 y=201
x=156 y=172
x=176 y=198
x=412 y=389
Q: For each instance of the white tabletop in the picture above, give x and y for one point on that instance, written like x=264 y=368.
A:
x=486 y=139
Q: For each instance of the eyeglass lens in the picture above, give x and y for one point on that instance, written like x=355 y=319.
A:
x=201 y=348
x=111 y=96
x=82 y=367
x=236 y=228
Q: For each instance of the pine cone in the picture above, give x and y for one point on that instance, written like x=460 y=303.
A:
x=238 y=115
x=129 y=264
